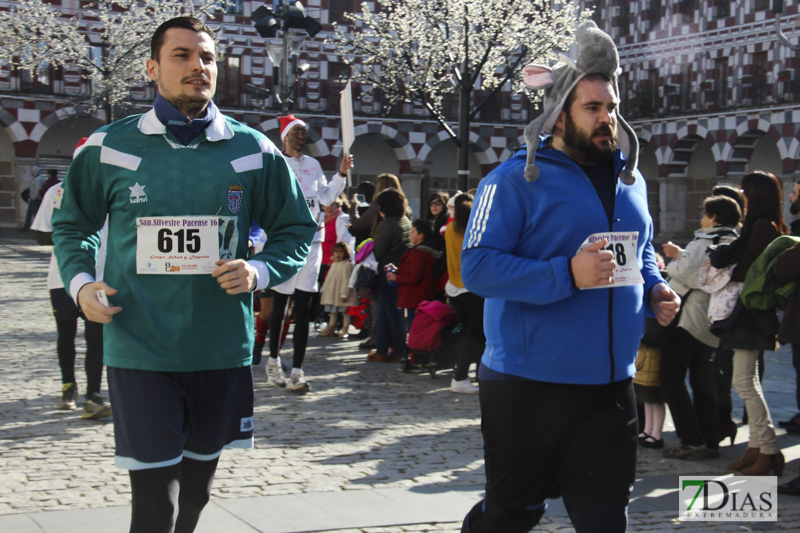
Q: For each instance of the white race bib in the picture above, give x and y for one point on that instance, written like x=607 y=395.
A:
x=623 y=245
x=177 y=245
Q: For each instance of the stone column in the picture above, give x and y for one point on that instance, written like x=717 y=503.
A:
x=412 y=187
x=672 y=204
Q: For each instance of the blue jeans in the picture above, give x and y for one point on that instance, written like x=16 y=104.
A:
x=391 y=330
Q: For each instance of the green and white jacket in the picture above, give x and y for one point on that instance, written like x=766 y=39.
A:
x=228 y=176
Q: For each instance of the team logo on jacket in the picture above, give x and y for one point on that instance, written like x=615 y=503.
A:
x=137 y=194
x=235 y=194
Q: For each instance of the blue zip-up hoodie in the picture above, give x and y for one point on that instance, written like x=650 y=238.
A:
x=516 y=249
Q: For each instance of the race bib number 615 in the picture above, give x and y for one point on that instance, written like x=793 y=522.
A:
x=176 y=245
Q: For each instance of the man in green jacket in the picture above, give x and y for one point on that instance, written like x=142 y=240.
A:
x=180 y=186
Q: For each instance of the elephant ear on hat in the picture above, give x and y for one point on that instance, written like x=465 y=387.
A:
x=597 y=54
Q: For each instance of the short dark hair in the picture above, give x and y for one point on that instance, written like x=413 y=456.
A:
x=392 y=202
x=724 y=208
x=52 y=173
x=424 y=228
x=367 y=188
x=187 y=23
x=731 y=192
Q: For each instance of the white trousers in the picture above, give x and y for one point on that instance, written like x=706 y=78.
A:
x=745 y=381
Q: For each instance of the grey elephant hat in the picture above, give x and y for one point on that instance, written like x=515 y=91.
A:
x=597 y=54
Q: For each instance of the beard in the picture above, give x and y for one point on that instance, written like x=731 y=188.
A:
x=190 y=105
x=586 y=146
x=795 y=207
x=193 y=104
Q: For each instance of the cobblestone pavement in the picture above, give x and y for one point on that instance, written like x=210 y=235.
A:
x=363 y=426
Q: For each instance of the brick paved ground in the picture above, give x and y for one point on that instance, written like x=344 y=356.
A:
x=364 y=426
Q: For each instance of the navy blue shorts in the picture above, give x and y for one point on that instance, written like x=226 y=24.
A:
x=162 y=417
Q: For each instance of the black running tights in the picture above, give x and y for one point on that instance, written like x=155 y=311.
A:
x=302 y=316
x=93 y=363
x=156 y=492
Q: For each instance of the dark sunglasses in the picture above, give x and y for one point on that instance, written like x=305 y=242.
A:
x=437 y=202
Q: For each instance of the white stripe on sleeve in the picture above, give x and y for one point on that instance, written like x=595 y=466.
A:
x=482 y=215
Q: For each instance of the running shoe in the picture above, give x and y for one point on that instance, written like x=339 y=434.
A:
x=95 y=407
x=275 y=376
x=297 y=383
x=69 y=391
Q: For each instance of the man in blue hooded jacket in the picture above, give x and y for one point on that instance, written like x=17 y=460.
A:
x=566 y=264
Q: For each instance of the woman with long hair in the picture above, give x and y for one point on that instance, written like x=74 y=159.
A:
x=392 y=239
x=364 y=224
x=368 y=221
x=763 y=222
x=468 y=306
x=437 y=216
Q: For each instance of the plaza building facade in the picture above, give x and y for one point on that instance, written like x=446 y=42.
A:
x=709 y=88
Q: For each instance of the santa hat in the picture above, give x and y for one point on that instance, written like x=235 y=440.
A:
x=287 y=123
x=79 y=146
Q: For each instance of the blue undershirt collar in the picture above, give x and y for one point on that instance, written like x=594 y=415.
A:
x=182 y=127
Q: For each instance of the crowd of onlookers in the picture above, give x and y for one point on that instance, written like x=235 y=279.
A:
x=733 y=277
x=380 y=265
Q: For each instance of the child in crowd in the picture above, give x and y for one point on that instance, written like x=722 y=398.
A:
x=646 y=383
x=414 y=274
x=337 y=295
x=692 y=345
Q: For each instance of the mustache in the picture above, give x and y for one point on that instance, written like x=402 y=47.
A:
x=603 y=130
x=192 y=78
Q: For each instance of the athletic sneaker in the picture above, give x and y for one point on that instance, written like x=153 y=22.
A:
x=95 y=407
x=465 y=386
x=69 y=391
x=297 y=383
x=275 y=373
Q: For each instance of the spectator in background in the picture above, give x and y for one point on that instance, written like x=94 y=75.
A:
x=363 y=224
x=468 y=305
x=366 y=222
x=34 y=200
x=763 y=222
x=692 y=344
x=437 y=217
x=794 y=208
x=337 y=224
x=52 y=180
x=357 y=208
x=723 y=356
x=793 y=424
x=414 y=273
x=391 y=242
x=337 y=229
x=337 y=295
x=787 y=268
